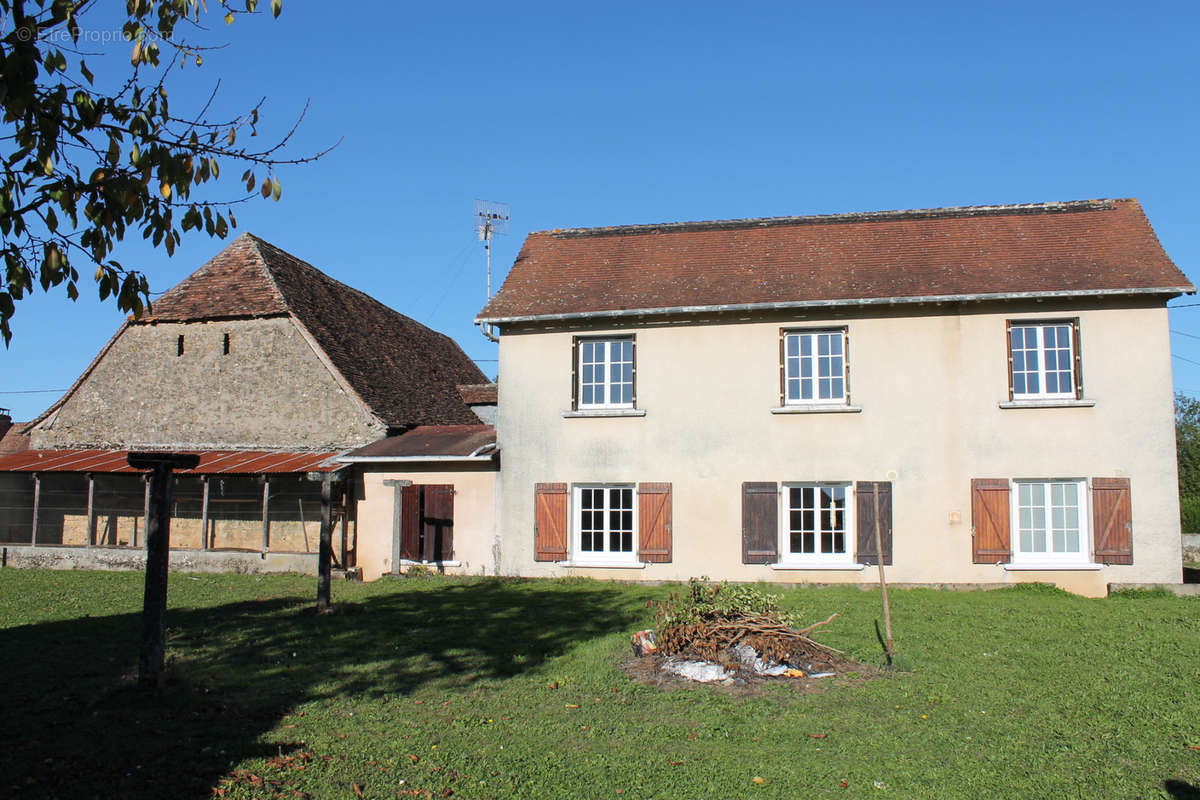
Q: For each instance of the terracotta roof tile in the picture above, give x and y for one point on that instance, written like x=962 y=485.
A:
x=13 y=440
x=405 y=372
x=1068 y=248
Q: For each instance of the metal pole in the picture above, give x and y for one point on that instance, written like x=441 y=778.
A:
x=325 y=557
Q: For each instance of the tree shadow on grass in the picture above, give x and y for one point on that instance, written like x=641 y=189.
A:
x=74 y=725
x=1181 y=790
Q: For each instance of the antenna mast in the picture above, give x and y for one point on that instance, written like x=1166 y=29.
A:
x=490 y=219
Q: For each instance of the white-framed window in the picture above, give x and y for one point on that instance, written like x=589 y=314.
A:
x=1043 y=359
x=1049 y=520
x=814 y=367
x=817 y=524
x=605 y=526
x=604 y=373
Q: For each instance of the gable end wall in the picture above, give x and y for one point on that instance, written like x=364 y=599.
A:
x=271 y=391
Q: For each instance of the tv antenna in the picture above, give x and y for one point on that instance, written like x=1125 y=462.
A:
x=490 y=219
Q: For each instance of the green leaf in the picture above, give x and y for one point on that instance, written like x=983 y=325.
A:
x=87 y=73
x=51 y=220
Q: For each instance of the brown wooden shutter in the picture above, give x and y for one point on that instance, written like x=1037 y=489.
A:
x=1112 y=517
x=654 y=522
x=1078 y=359
x=1008 y=345
x=865 y=507
x=550 y=522
x=437 y=520
x=760 y=523
x=410 y=522
x=990 y=540
x=574 y=373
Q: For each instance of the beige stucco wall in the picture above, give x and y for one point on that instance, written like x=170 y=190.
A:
x=271 y=391
x=929 y=381
x=475 y=515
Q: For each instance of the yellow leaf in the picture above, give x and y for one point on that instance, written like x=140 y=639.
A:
x=229 y=18
x=757 y=779
x=166 y=190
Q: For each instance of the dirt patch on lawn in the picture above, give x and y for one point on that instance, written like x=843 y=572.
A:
x=648 y=671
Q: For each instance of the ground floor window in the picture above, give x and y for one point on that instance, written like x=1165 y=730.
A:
x=1051 y=520
x=604 y=522
x=816 y=522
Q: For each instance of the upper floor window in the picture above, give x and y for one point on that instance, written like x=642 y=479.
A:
x=604 y=373
x=1044 y=360
x=814 y=367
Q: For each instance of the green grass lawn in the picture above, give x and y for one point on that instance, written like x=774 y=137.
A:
x=442 y=688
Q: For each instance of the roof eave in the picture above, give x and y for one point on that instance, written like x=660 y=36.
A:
x=1170 y=291
x=410 y=459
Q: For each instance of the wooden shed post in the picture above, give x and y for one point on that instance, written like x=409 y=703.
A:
x=158 y=542
x=266 y=514
x=37 y=496
x=204 y=512
x=145 y=508
x=326 y=554
x=91 y=510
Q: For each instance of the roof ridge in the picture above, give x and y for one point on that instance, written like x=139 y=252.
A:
x=947 y=212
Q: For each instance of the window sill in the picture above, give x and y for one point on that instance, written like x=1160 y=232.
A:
x=603 y=564
x=405 y=562
x=818 y=408
x=1052 y=567
x=799 y=566
x=1064 y=402
x=605 y=412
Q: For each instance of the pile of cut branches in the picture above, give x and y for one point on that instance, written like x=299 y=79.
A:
x=710 y=619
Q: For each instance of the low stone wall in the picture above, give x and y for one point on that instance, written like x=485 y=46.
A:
x=121 y=558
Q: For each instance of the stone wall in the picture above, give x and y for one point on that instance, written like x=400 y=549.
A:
x=263 y=387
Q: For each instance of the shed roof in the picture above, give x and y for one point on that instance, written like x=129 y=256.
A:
x=978 y=252
x=212 y=462
x=437 y=442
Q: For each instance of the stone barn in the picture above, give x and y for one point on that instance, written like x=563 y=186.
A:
x=265 y=367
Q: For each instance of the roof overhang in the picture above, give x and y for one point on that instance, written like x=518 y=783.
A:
x=211 y=462
x=1167 y=291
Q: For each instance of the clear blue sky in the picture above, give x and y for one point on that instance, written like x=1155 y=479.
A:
x=635 y=112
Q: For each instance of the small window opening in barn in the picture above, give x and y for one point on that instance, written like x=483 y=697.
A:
x=225 y=346
x=179 y=346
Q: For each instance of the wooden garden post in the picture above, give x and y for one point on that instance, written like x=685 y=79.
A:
x=158 y=542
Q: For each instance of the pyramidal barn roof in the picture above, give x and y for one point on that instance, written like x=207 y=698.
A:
x=406 y=373
x=1088 y=247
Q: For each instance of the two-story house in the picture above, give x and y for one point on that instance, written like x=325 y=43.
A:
x=748 y=399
